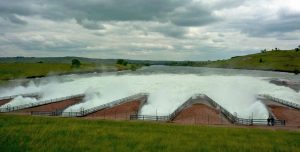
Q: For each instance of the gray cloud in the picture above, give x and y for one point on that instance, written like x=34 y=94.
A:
x=156 y=29
x=192 y=15
x=92 y=25
x=16 y=20
x=170 y=30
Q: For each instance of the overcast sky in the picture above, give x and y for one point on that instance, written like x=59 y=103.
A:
x=147 y=29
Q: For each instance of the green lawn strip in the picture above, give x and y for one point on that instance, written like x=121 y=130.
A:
x=29 y=133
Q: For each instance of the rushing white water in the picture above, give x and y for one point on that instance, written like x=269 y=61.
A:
x=167 y=91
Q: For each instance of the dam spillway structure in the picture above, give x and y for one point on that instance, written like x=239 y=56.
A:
x=198 y=110
x=7 y=99
x=282 y=109
x=117 y=110
x=50 y=107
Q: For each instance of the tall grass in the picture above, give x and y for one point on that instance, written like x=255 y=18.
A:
x=29 y=133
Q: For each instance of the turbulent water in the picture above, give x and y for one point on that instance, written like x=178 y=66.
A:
x=168 y=87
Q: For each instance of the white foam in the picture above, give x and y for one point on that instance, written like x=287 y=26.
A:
x=167 y=91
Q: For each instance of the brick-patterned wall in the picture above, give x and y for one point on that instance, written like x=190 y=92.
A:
x=4 y=101
x=121 y=112
x=52 y=106
x=291 y=116
x=200 y=114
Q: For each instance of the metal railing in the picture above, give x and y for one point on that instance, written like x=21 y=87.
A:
x=14 y=108
x=281 y=101
x=189 y=102
x=47 y=113
x=23 y=95
x=233 y=119
x=84 y=112
x=149 y=117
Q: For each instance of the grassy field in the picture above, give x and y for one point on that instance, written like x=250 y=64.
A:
x=27 y=70
x=288 y=61
x=30 y=133
x=14 y=68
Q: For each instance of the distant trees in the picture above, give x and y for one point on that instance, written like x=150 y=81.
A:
x=263 y=51
x=75 y=63
x=296 y=71
x=122 y=62
x=297 y=49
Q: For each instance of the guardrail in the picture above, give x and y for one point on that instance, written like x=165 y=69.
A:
x=281 y=101
x=189 y=102
x=226 y=113
x=84 y=112
x=23 y=95
x=149 y=117
x=47 y=113
x=233 y=119
x=14 y=108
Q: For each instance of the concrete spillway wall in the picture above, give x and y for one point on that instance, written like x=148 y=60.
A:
x=198 y=110
x=46 y=106
x=281 y=109
x=4 y=101
x=119 y=109
x=7 y=99
x=122 y=111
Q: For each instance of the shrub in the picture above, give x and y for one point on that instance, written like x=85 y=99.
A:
x=75 y=63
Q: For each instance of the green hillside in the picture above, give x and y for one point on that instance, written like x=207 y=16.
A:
x=287 y=61
x=32 y=133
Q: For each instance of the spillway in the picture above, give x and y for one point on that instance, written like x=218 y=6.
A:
x=235 y=92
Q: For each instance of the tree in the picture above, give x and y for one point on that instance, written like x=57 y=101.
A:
x=263 y=51
x=296 y=71
x=260 y=60
x=297 y=49
x=75 y=63
x=122 y=62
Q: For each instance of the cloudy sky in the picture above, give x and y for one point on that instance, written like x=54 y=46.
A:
x=147 y=29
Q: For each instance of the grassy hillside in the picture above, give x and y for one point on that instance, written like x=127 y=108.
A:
x=27 y=70
x=288 y=61
x=20 y=67
x=31 y=133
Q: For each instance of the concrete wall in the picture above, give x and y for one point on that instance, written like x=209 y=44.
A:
x=51 y=106
x=200 y=114
x=122 y=111
x=4 y=101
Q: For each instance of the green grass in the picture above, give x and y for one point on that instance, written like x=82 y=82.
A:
x=25 y=70
x=30 y=133
x=287 y=61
